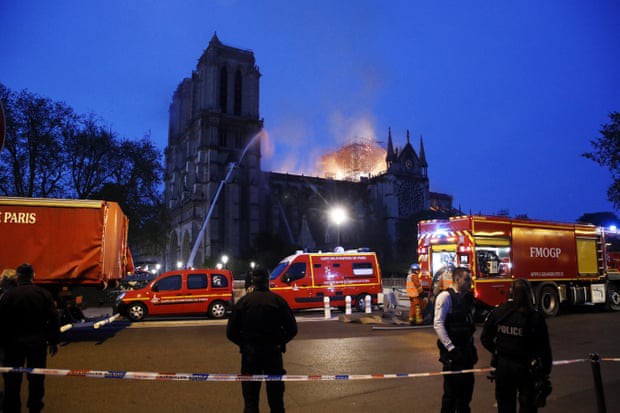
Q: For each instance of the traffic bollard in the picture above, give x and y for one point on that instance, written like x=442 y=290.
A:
x=328 y=310
x=347 y=301
x=368 y=304
x=595 y=362
x=380 y=298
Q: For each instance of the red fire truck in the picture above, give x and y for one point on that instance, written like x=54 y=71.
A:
x=566 y=263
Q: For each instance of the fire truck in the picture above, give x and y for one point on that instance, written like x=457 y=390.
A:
x=566 y=263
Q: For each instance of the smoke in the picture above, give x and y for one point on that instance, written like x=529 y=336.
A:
x=344 y=128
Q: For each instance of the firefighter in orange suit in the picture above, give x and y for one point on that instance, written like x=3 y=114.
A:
x=414 y=292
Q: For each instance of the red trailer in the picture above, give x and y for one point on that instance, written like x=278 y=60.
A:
x=566 y=263
x=68 y=242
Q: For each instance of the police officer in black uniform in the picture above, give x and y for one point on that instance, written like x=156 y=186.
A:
x=261 y=324
x=455 y=326
x=516 y=334
x=28 y=325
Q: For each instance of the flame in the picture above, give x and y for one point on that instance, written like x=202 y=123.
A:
x=362 y=157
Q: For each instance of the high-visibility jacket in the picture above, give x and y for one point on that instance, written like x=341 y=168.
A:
x=443 y=281
x=414 y=287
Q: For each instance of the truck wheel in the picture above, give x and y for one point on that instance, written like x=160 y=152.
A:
x=217 y=310
x=360 y=304
x=548 y=301
x=136 y=311
x=613 y=297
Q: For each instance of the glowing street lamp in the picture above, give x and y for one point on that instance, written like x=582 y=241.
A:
x=179 y=264
x=252 y=265
x=219 y=265
x=224 y=260
x=338 y=215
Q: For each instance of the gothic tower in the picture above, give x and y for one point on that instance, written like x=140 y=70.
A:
x=214 y=115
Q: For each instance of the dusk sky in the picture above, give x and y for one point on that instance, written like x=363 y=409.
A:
x=507 y=95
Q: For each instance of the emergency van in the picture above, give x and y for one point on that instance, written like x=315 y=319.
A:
x=306 y=278
x=566 y=263
x=183 y=292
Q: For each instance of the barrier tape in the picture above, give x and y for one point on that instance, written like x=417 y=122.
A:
x=142 y=375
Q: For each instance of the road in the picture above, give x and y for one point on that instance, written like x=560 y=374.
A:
x=321 y=348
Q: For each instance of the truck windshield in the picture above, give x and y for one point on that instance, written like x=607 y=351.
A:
x=276 y=272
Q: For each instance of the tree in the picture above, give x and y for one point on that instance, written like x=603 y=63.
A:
x=32 y=162
x=607 y=153
x=50 y=151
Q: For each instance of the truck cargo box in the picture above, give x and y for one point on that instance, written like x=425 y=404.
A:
x=69 y=242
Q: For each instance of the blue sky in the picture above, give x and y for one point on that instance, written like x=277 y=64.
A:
x=507 y=95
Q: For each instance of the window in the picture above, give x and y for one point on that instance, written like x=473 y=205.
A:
x=219 y=281
x=169 y=283
x=362 y=268
x=223 y=89
x=493 y=261
x=222 y=137
x=295 y=272
x=238 y=84
x=278 y=270
x=196 y=281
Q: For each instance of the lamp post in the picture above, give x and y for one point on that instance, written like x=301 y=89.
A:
x=338 y=216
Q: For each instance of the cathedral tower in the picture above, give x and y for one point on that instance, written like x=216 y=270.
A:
x=214 y=115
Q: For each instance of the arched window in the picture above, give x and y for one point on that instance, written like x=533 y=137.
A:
x=238 y=89
x=223 y=89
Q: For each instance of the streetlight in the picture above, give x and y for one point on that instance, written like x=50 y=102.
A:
x=179 y=264
x=252 y=265
x=219 y=265
x=338 y=216
x=224 y=260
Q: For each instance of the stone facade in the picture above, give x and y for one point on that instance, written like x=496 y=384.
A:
x=214 y=115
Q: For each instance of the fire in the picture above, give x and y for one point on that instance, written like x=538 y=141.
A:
x=361 y=158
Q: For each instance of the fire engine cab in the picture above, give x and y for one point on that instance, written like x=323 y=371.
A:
x=566 y=263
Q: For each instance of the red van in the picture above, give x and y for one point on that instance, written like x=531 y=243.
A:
x=181 y=292
x=305 y=279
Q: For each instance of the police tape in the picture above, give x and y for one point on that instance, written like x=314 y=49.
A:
x=143 y=375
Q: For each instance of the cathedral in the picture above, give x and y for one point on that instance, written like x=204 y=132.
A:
x=214 y=151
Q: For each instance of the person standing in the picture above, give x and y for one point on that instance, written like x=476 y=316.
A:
x=28 y=325
x=261 y=324
x=414 y=290
x=517 y=336
x=455 y=326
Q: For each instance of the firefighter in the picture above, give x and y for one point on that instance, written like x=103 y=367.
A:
x=414 y=292
x=455 y=327
x=442 y=280
x=516 y=334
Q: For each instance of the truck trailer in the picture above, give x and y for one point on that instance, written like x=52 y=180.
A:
x=565 y=263
x=68 y=242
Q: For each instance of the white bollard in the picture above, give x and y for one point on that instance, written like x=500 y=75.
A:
x=368 y=304
x=380 y=298
x=328 y=310
x=347 y=309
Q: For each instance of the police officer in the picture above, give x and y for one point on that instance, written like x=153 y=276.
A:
x=28 y=325
x=454 y=325
x=414 y=292
x=261 y=324
x=516 y=334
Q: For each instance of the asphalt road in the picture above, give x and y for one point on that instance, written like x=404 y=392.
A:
x=321 y=348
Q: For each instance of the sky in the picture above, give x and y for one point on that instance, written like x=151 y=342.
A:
x=507 y=95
